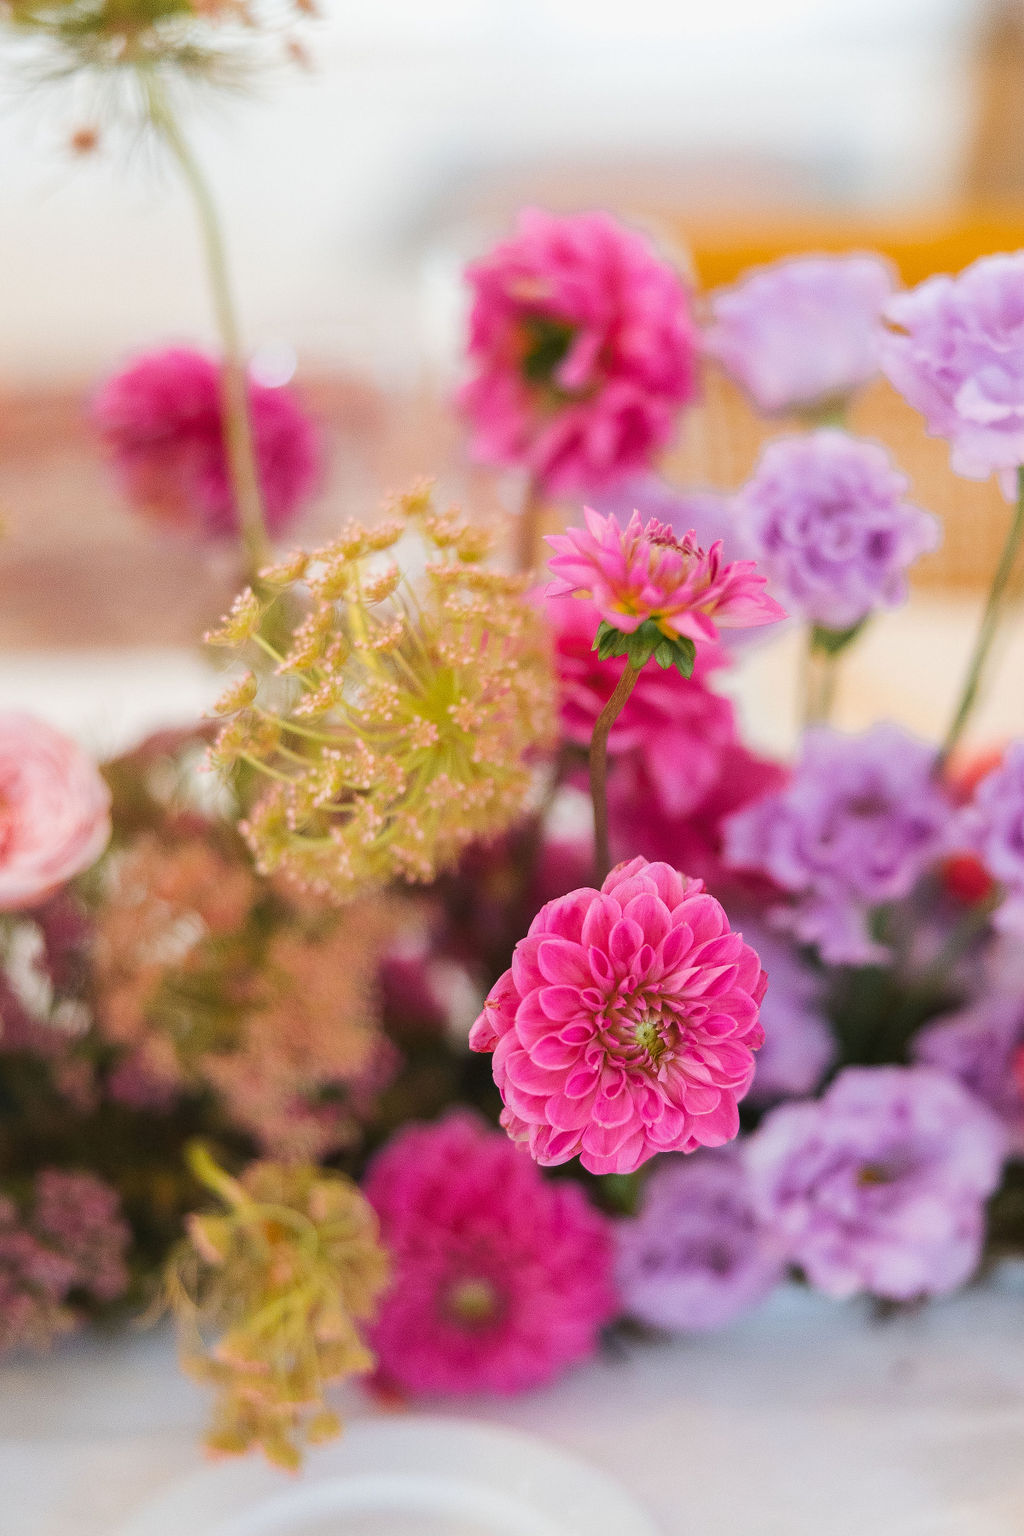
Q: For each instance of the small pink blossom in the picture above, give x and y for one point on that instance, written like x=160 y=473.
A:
x=644 y=572
x=162 y=419
x=500 y=1278
x=583 y=351
x=627 y=1023
x=54 y=811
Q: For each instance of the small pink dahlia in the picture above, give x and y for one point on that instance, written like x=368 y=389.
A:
x=162 y=421
x=582 y=349
x=627 y=1023
x=500 y=1279
x=643 y=572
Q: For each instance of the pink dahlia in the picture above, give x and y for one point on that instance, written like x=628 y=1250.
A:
x=674 y=727
x=627 y=1024
x=583 y=350
x=162 y=420
x=644 y=572
x=54 y=811
x=500 y=1279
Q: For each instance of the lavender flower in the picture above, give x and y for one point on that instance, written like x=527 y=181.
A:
x=827 y=521
x=858 y=824
x=880 y=1185
x=958 y=358
x=804 y=332
x=798 y=1044
x=696 y=1256
x=707 y=513
x=982 y=1046
x=994 y=824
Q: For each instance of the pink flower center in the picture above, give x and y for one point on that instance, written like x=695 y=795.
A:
x=472 y=1302
x=650 y=1038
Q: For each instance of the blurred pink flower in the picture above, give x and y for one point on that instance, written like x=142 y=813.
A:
x=627 y=1023
x=54 y=811
x=644 y=572
x=582 y=349
x=500 y=1278
x=162 y=420
x=802 y=332
x=675 y=726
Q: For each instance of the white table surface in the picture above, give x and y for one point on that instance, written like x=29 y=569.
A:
x=806 y=1419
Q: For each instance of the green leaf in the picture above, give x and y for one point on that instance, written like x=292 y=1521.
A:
x=610 y=641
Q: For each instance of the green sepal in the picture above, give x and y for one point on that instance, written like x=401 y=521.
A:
x=831 y=641
x=646 y=642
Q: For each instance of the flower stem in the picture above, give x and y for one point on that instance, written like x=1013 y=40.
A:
x=238 y=434
x=599 y=766
x=528 y=533
x=990 y=620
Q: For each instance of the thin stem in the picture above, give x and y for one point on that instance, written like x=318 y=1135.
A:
x=599 y=766
x=528 y=534
x=990 y=619
x=820 y=678
x=238 y=434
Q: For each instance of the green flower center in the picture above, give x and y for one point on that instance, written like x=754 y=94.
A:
x=650 y=1039
x=547 y=343
x=473 y=1302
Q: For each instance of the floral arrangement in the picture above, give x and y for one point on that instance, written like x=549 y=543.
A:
x=294 y=1046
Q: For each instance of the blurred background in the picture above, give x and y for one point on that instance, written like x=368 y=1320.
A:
x=353 y=190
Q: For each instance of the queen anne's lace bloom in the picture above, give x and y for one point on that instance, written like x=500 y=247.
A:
x=643 y=572
x=501 y=1278
x=582 y=350
x=400 y=721
x=627 y=1023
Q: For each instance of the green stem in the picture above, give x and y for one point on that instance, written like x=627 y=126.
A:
x=990 y=619
x=820 y=676
x=238 y=433
x=599 y=766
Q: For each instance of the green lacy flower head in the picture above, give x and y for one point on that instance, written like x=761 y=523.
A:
x=399 y=719
x=270 y=1295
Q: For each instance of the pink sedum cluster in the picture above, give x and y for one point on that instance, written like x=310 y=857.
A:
x=162 y=419
x=627 y=1024
x=54 y=811
x=644 y=572
x=582 y=348
x=500 y=1279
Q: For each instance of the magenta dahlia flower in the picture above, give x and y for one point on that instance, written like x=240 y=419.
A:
x=162 y=421
x=627 y=1024
x=582 y=348
x=500 y=1279
x=643 y=572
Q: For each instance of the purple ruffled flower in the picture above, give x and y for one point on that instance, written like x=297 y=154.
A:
x=799 y=1046
x=958 y=358
x=994 y=825
x=858 y=824
x=880 y=1185
x=828 y=523
x=803 y=332
x=982 y=1046
x=696 y=1256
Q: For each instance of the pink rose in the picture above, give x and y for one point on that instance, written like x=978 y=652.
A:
x=54 y=810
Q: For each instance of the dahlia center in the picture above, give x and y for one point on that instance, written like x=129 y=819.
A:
x=650 y=1037
x=472 y=1302
x=547 y=342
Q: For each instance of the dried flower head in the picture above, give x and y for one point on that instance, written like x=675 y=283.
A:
x=271 y=1294
x=398 y=723
x=206 y=979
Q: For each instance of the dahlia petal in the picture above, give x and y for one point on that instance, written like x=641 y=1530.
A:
x=560 y=961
